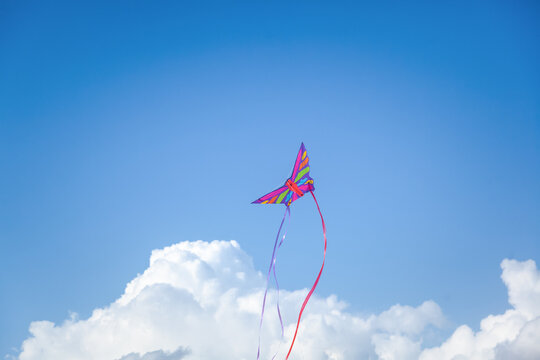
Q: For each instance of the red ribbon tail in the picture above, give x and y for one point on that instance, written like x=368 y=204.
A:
x=316 y=281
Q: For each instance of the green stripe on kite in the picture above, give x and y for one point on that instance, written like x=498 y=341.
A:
x=278 y=201
x=301 y=173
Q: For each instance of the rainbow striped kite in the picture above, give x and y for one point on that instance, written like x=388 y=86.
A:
x=294 y=188
x=299 y=183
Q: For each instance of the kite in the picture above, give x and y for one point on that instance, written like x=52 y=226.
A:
x=294 y=188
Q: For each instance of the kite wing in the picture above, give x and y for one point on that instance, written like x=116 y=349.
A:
x=274 y=197
x=300 y=159
x=300 y=182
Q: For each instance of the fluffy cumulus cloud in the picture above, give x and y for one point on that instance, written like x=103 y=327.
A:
x=512 y=335
x=201 y=301
x=157 y=355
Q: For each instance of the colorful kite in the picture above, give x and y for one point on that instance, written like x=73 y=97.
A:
x=295 y=187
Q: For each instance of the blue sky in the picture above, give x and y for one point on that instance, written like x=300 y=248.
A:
x=131 y=126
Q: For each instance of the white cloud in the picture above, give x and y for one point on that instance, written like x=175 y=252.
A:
x=158 y=355
x=512 y=335
x=201 y=301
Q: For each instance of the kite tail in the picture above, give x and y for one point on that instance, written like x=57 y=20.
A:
x=275 y=276
x=272 y=266
x=316 y=281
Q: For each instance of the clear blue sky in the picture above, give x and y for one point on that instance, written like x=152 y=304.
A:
x=130 y=126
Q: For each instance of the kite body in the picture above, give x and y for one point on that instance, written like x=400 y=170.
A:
x=294 y=188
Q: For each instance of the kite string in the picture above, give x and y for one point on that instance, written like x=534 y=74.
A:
x=316 y=281
x=272 y=262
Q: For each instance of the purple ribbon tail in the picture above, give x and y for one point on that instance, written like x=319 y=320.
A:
x=275 y=276
x=273 y=267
